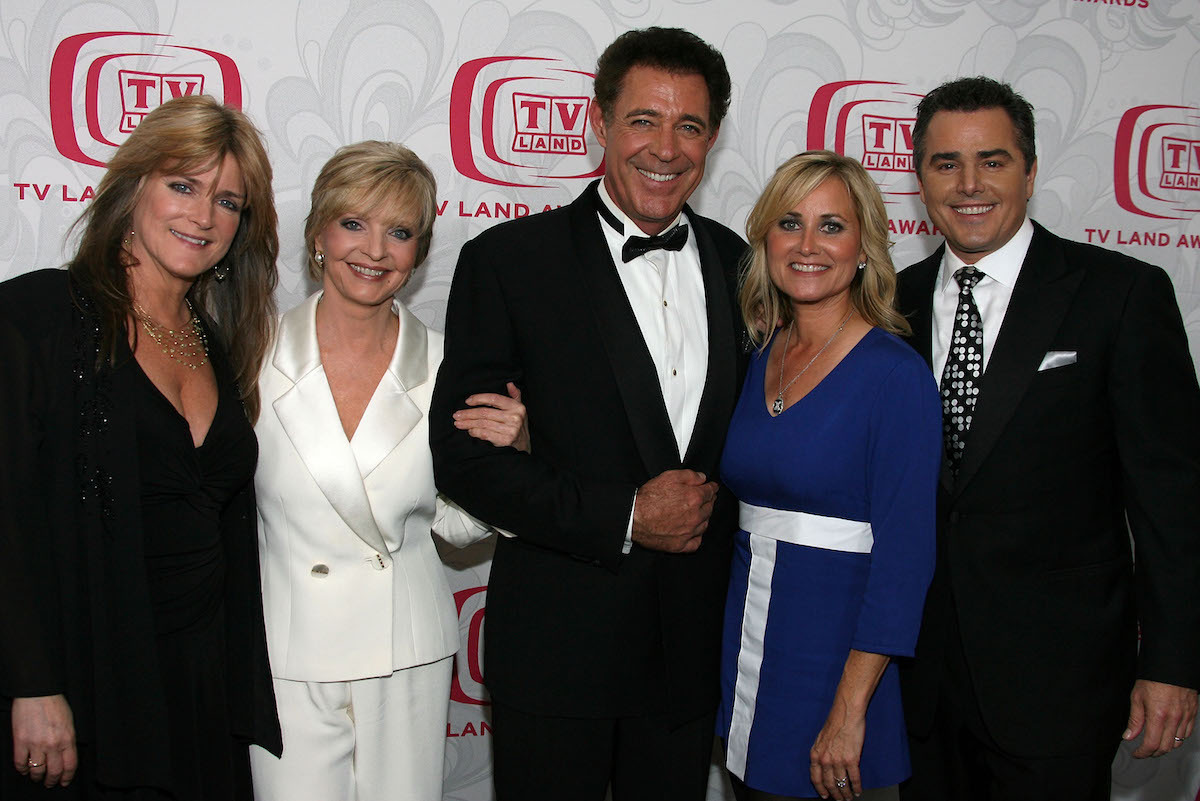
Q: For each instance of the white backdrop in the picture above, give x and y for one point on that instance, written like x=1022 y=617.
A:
x=493 y=95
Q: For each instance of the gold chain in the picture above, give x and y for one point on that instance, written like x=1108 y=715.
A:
x=188 y=345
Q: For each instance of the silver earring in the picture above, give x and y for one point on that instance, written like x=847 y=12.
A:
x=320 y=257
x=862 y=265
x=125 y=241
x=221 y=272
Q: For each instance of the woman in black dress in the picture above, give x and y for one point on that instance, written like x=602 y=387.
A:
x=132 y=658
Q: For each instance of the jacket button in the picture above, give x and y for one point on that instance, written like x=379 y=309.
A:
x=954 y=517
x=320 y=571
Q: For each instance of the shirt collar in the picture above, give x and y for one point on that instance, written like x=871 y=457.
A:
x=628 y=226
x=1001 y=265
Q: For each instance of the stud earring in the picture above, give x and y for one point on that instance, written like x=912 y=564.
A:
x=320 y=257
x=862 y=265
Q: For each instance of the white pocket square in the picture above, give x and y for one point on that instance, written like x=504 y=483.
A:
x=1057 y=358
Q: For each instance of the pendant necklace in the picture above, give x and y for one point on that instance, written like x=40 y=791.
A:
x=777 y=406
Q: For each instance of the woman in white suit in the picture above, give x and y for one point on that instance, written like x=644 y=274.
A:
x=361 y=626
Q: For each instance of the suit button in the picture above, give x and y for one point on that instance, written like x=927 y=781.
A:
x=954 y=517
x=319 y=571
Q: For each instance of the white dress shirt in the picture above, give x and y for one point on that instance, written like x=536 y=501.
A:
x=992 y=293
x=666 y=290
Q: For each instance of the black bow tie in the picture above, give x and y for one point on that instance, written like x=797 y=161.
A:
x=635 y=246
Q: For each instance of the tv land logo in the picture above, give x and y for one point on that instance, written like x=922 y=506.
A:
x=1156 y=161
x=871 y=121
x=103 y=83
x=522 y=121
x=467 y=683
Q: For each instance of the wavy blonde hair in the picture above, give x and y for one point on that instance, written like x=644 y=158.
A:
x=873 y=290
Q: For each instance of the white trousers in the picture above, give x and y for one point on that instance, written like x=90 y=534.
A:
x=378 y=739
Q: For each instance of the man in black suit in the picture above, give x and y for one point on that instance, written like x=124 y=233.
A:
x=615 y=316
x=1071 y=406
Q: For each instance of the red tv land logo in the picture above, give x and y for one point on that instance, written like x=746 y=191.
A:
x=522 y=121
x=871 y=121
x=467 y=683
x=103 y=83
x=1156 y=161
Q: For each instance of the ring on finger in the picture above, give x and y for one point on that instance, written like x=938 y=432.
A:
x=33 y=764
x=842 y=781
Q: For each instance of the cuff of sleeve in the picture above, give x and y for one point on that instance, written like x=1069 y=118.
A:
x=628 y=546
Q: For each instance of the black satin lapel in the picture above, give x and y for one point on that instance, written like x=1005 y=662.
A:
x=720 y=383
x=636 y=375
x=1039 y=302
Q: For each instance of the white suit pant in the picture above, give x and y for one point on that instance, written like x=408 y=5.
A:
x=381 y=739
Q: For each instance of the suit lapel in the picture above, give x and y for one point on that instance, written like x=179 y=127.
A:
x=309 y=417
x=391 y=413
x=1039 y=302
x=916 y=304
x=621 y=337
x=915 y=300
x=720 y=383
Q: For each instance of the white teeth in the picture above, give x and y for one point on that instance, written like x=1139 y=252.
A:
x=190 y=239
x=367 y=271
x=658 y=176
x=973 y=209
x=808 y=268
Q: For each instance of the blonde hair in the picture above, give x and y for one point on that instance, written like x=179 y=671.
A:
x=873 y=290
x=189 y=135
x=372 y=176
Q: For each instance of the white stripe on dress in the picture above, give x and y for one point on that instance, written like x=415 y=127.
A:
x=802 y=528
x=750 y=654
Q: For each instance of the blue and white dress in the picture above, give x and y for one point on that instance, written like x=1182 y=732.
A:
x=835 y=552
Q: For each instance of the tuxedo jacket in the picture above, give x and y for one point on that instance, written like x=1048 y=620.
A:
x=352 y=584
x=1034 y=555
x=574 y=627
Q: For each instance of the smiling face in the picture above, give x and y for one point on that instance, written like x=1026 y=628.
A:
x=368 y=257
x=813 y=250
x=973 y=181
x=184 y=224
x=655 y=143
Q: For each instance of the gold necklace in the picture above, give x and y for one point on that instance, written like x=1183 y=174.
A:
x=188 y=345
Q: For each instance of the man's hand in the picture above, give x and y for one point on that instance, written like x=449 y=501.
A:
x=671 y=511
x=1168 y=713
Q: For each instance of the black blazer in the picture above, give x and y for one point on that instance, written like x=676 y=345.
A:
x=574 y=627
x=1034 y=554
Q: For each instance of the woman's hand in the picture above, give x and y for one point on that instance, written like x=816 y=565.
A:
x=44 y=739
x=498 y=419
x=835 y=754
x=833 y=760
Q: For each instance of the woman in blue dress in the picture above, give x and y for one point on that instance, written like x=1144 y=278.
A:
x=833 y=453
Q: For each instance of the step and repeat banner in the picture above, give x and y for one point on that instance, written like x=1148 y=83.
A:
x=494 y=96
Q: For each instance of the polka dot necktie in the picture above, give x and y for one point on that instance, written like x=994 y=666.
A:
x=964 y=366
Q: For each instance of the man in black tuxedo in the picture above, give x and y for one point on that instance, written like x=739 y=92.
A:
x=1071 y=406
x=615 y=316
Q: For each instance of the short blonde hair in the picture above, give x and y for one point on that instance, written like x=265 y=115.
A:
x=873 y=291
x=372 y=176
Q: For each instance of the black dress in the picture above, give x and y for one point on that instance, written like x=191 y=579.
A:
x=184 y=490
x=133 y=561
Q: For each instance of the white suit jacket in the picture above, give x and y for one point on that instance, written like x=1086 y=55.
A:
x=352 y=584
